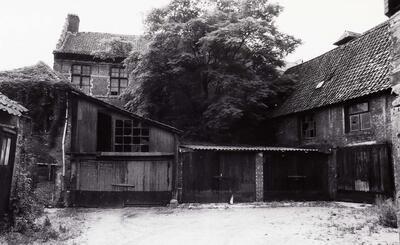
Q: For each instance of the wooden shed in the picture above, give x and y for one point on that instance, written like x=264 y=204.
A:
x=10 y=112
x=247 y=174
x=119 y=158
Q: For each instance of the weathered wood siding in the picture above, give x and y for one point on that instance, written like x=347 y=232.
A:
x=215 y=176
x=121 y=176
x=365 y=169
x=161 y=140
x=85 y=130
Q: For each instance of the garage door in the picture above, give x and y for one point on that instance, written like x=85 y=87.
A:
x=109 y=183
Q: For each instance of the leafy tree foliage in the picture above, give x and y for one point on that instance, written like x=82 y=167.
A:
x=211 y=68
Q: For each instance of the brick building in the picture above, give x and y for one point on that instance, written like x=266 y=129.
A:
x=92 y=61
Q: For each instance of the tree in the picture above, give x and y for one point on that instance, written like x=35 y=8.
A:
x=211 y=68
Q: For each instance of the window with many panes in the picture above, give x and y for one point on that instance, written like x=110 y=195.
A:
x=308 y=126
x=131 y=136
x=118 y=80
x=80 y=77
x=358 y=117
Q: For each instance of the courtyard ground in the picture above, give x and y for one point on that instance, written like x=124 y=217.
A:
x=263 y=223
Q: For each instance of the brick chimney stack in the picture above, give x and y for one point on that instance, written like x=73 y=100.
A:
x=72 y=23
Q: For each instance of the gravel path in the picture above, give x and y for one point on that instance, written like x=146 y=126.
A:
x=273 y=223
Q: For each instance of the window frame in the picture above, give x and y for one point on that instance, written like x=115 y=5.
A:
x=357 y=115
x=7 y=148
x=81 y=76
x=119 y=78
x=308 y=119
x=137 y=133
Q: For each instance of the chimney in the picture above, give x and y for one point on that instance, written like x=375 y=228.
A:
x=346 y=37
x=391 y=7
x=72 y=23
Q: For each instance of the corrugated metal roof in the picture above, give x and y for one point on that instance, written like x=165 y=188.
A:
x=244 y=148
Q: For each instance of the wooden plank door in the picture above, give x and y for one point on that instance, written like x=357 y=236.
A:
x=365 y=169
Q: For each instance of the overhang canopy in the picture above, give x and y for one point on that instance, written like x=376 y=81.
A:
x=246 y=148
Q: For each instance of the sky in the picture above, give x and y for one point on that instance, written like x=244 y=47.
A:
x=29 y=30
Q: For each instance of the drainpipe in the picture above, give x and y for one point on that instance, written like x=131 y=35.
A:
x=63 y=138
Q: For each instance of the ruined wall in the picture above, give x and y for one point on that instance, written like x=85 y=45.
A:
x=330 y=126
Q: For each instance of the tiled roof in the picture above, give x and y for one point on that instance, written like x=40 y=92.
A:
x=89 y=42
x=10 y=106
x=244 y=148
x=358 y=68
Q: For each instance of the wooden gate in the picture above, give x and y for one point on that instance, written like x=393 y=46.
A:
x=109 y=183
x=295 y=176
x=210 y=176
x=7 y=152
x=364 y=169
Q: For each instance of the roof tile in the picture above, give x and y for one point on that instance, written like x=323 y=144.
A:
x=10 y=106
x=89 y=42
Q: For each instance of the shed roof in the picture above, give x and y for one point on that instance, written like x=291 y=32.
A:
x=89 y=42
x=10 y=106
x=358 y=68
x=245 y=148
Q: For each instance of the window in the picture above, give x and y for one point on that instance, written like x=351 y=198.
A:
x=81 y=77
x=308 y=126
x=131 y=136
x=118 y=80
x=5 y=147
x=358 y=117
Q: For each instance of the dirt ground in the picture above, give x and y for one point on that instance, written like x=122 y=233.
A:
x=270 y=223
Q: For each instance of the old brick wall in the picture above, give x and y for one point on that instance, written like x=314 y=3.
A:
x=100 y=75
x=330 y=127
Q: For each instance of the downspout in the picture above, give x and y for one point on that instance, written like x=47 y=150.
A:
x=63 y=138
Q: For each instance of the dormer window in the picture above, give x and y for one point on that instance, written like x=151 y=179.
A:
x=80 y=77
x=118 y=80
